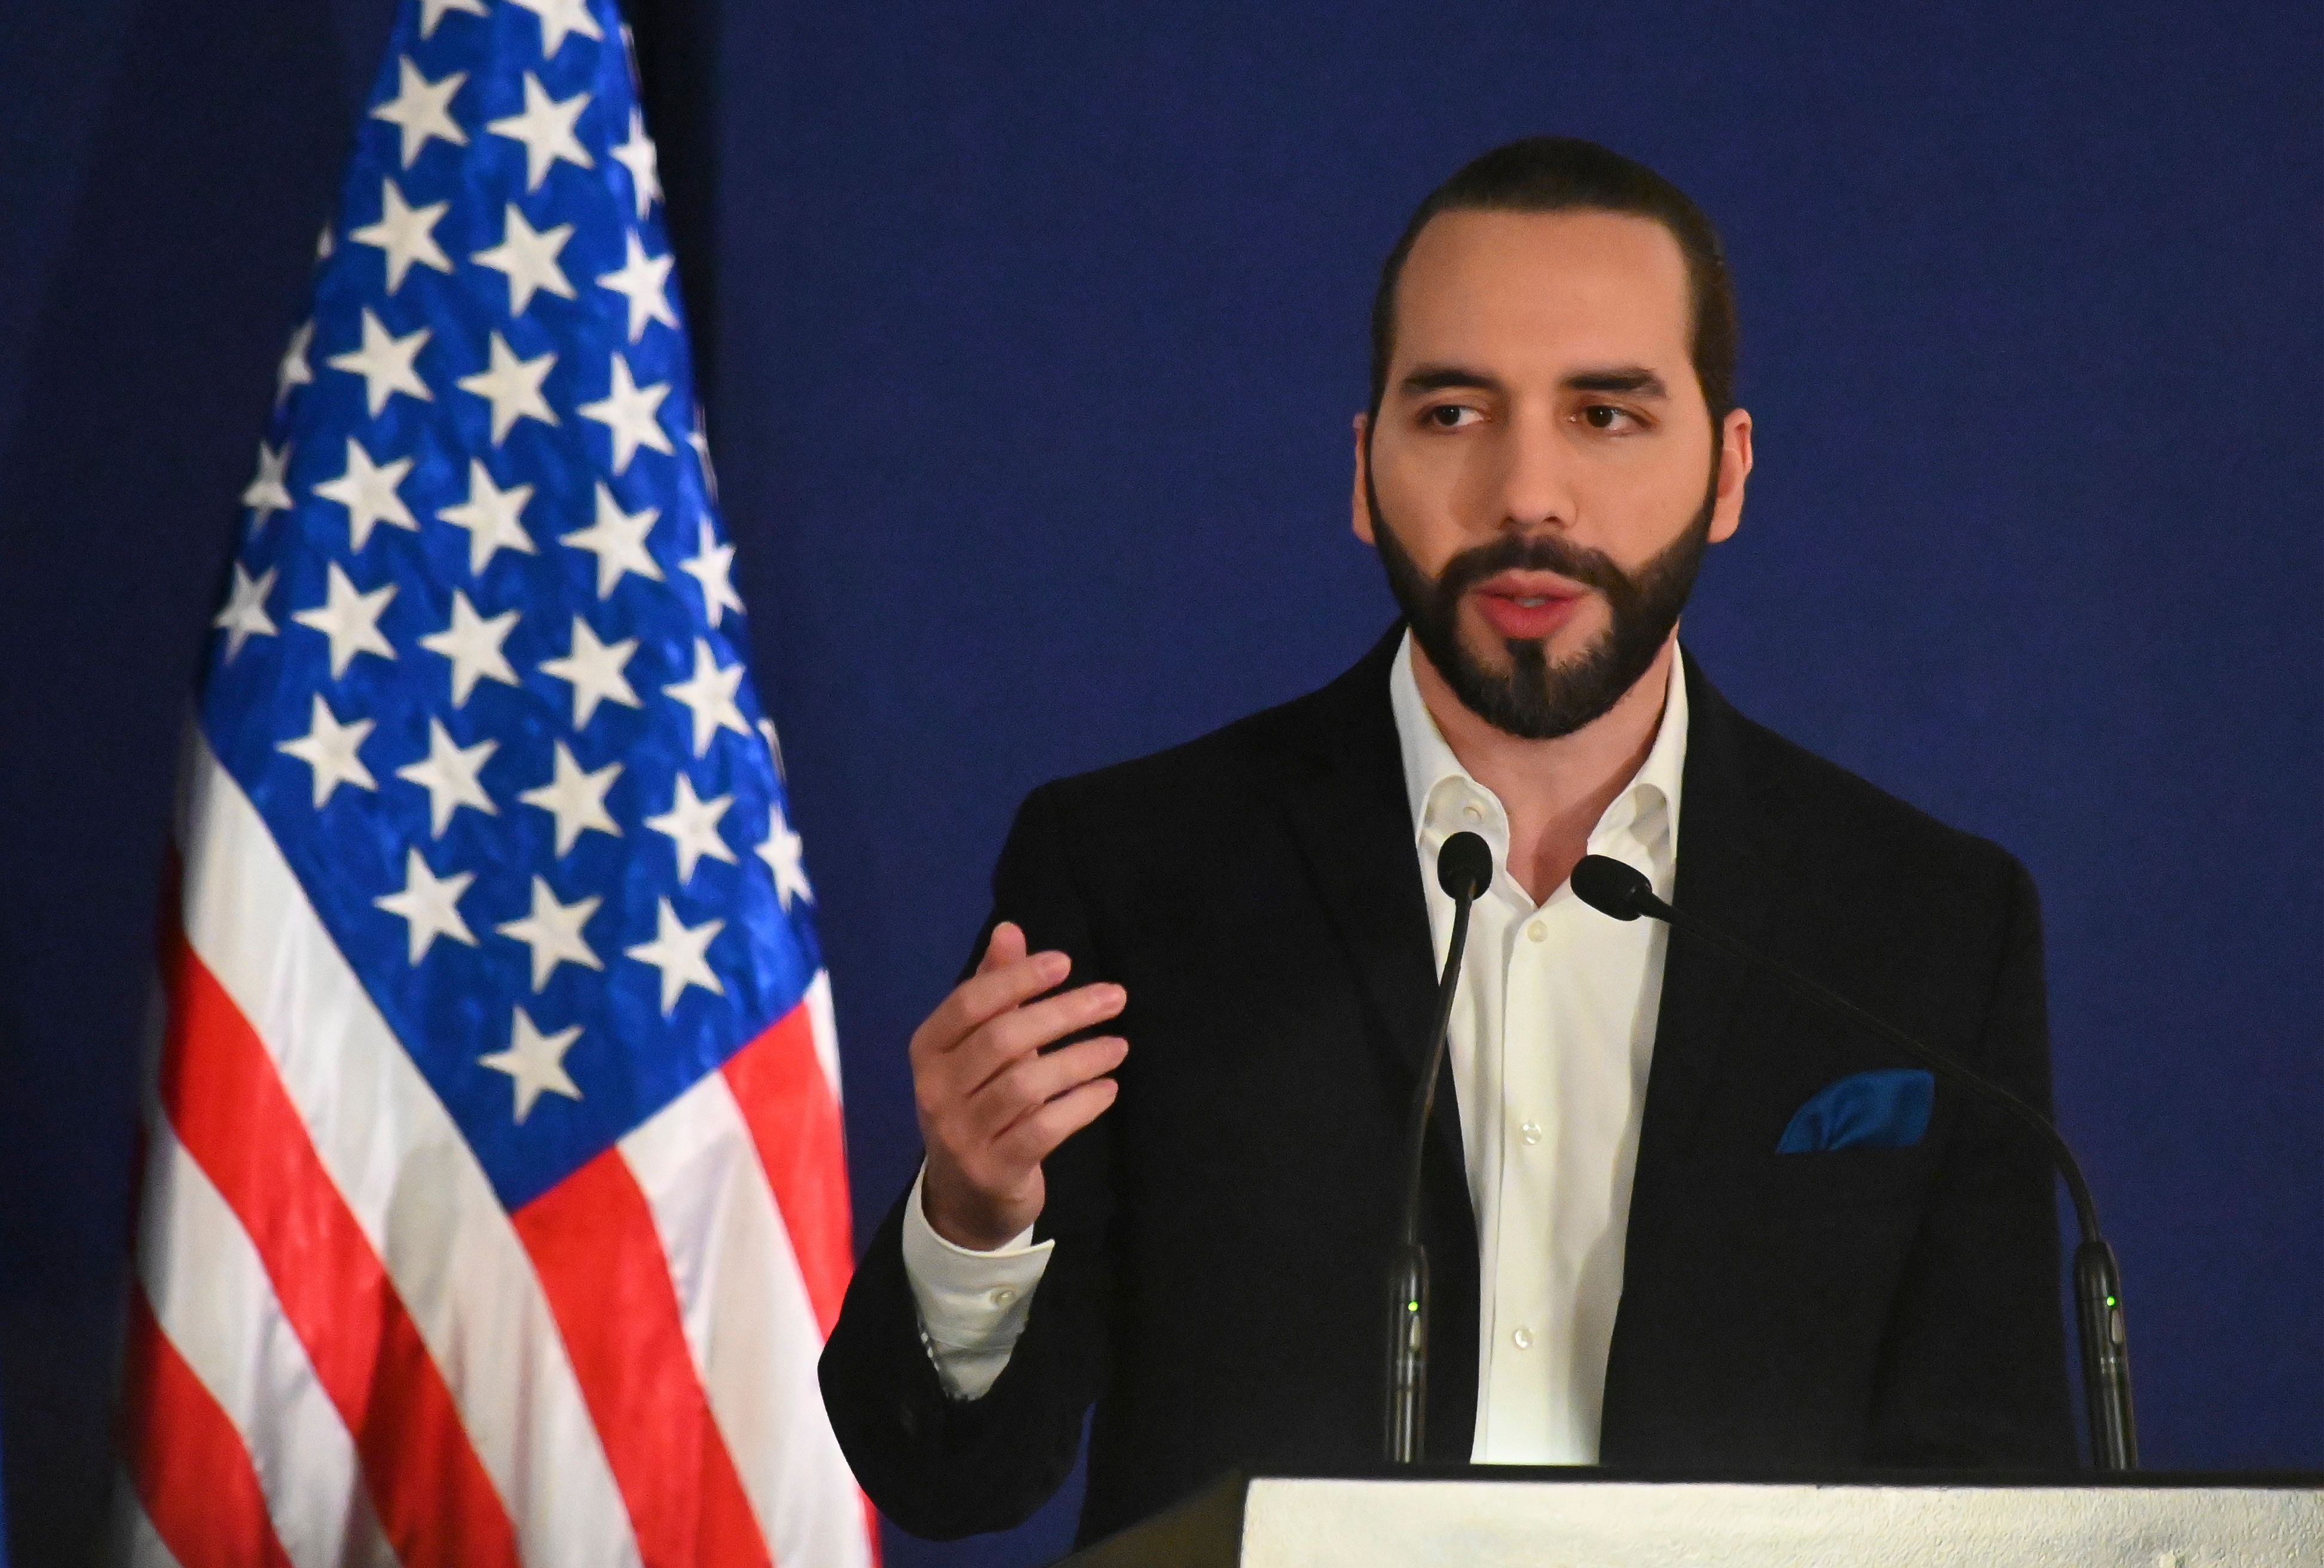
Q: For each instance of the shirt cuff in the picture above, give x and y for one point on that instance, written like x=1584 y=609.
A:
x=972 y=1304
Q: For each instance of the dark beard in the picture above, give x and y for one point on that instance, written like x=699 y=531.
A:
x=1536 y=699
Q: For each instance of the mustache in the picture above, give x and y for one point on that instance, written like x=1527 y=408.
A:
x=1533 y=553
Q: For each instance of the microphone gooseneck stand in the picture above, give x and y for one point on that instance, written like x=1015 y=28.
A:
x=1464 y=869
x=1614 y=888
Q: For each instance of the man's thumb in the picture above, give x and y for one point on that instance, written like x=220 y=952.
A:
x=1007 y=946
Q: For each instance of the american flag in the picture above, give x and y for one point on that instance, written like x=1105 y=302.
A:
x=494 y=1206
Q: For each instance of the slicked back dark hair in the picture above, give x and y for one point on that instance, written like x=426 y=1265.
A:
x=1545 y=174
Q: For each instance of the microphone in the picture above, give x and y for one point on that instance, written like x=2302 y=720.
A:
x=1613 y=888
x=1464 y=869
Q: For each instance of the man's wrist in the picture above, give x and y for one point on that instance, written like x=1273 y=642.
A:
x=954 y=1230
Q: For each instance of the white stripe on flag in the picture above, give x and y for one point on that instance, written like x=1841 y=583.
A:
x=749 y=1324
x=827 y=1031
x=213 y=1300
x=410 y=1179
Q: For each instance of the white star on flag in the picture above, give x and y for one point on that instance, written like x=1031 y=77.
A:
x=618 y=540
x=785 y=855
x=557 y=19
x=629 y=414
x=527 y=256
x=429 y=905
x=594 y=670
x=350 y=619
x=492 y=515
x=421 y=109
x=473 y=644
x=431 y=12
x=714 y=569
x=512 y=386
x=266 y=494
x=546 y=129
x=385 y=364
x=295 y=370
x=691 y=825
x=638 y=156
x=553 y=931
x=329 y=748
x=368 y=491
x=244 y=615
x=645 y=283
x=535 y=1062
x=449 y=773
x=709 y=694
x=577 y=798
x=404 y=235
x=677 y=950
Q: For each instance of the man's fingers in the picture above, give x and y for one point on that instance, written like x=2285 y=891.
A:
x=983 y=994
x=989 y=993
x=1033 y=1081
x=989 y=1050
x=1036 y=1136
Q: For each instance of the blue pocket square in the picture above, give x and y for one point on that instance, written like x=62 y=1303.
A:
x=1888 y=1109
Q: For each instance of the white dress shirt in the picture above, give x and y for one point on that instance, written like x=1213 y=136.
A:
x=1551 y=1036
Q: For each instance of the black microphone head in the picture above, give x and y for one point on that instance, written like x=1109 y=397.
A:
x=1464 y=867
x=1613 y=887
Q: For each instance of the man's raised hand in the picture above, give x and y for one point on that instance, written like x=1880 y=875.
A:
x=992 y=1104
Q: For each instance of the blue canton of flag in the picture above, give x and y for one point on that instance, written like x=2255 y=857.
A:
x=481 y=665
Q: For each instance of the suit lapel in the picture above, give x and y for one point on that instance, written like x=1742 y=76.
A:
x=1340 y=785
x=1731 y=842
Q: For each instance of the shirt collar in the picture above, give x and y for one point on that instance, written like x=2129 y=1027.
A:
x=1644 y=814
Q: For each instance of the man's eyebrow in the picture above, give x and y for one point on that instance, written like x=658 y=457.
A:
x=1636 y=379
x=1447 y=378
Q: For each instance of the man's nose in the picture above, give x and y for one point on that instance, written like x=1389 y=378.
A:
x=1536 y=479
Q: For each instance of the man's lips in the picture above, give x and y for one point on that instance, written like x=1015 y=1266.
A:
x=1527 y=605
x=1530 y=586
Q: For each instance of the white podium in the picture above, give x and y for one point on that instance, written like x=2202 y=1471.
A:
x=1506 y=1518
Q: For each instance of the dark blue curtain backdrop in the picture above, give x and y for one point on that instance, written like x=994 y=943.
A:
x=1034 y=333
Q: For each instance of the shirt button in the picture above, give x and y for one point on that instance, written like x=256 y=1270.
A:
x=1003 y=1296
x=1522 y=1339
x=1537 y=931
x=1530 y=1131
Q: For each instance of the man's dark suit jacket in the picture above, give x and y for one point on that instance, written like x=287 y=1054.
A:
x=1223 y=1232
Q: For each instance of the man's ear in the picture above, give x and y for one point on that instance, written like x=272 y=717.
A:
x=1734 y=471
x=1360 y=509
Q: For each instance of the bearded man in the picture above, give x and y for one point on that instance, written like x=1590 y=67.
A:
x=1678 y=1220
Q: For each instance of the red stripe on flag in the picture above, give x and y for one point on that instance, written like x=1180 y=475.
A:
x=593 y=1245
x=187 y=1461
x=220 y=1091
x=795 y=1124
